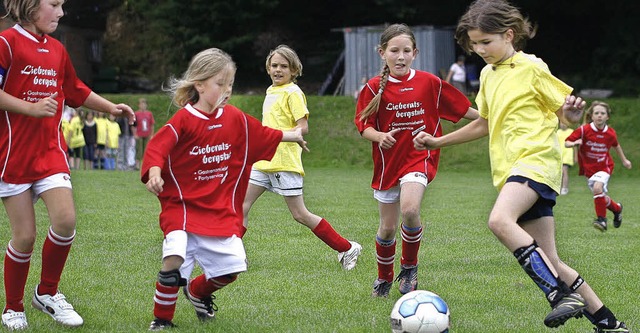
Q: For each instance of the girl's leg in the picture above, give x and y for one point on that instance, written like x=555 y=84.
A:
x=543 y=230
x=514 y=200
x=60 y=206
x=386 y=247
x=253 y=193
x=411 y=195
x=318 y=225
x=167 y=290
x=17 y=258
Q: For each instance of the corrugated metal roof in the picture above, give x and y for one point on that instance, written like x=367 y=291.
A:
x=436 y=47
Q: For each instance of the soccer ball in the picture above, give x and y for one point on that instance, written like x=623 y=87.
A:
x=420 y=311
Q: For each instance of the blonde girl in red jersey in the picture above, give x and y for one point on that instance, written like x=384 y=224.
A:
x=392 y=108
x=198 y=165
x=595 y=139
x=38 y=79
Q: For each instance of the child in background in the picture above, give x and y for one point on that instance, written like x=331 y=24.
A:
x=90 y=133
x=76 y=141
x=144 y=128
x=285 y=108
x=568 y=157
x=392 y=108
x=38 y=78
x=113 y=136
x=205 y=152
x=521 y=120
x=101 y=140
x=595 y=140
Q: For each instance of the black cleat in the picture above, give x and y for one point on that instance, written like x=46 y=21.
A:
x=570 y=306
x=600 y=223
x=617 y=218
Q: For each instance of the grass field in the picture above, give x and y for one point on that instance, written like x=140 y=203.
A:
x=294 y=282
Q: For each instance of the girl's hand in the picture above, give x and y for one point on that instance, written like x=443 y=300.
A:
x=46 y=107
x=154 y=184
x=300 y=139
x=387 y=140
x=124 y=110
x=425 y=141
x=573 y=108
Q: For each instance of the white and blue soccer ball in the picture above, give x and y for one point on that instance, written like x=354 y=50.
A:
x=420 y=311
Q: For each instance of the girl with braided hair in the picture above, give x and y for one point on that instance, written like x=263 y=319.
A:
x=392 y=108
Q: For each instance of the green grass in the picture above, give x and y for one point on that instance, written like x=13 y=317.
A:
x=294 y=282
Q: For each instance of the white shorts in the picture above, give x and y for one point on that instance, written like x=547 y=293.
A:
x=600 y=177
x=217 y=256
x=392 y=195
x=285 y=183
x=38 y=187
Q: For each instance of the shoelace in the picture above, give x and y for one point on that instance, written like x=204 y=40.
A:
x=61 y=301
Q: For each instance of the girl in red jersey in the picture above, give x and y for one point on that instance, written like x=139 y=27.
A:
x=205 y=152
x=37 y=79
x=595 y=140
x=392 y=108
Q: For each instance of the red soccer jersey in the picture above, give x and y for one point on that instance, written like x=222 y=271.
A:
x=206 y=161
x=31 y=68
x=414 y=103
x=593 y=154
x=144 y=123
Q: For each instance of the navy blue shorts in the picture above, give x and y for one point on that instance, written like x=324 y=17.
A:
x=546 y=199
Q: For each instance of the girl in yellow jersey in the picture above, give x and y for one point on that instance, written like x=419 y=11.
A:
x=285 y=108
x=520 y=103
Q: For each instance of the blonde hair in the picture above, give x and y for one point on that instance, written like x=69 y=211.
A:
x=394 y=30
x=589 y=113
x=494 y=17
x=292 y=58
x=204 y=65
x=21 y=11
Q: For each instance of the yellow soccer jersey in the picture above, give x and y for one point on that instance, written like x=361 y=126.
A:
x=282 y=107
x=113 y=133
x=101 y=128
x=75 y=130
x=567 y=153
x=520 y=105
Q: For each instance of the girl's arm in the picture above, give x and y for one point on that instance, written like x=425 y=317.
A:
x=99 y=103
x=45 y=107
x=472 y=114
x=295 y=135
x=155 y=182
x=303 y=124
x=625 y=162
x=384 y=139
x=472 y=131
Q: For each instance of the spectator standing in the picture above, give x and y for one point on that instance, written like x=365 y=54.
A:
x=113 y=138
x=90 y=133
x=101 y=140
x=126 y=146
x=144 y=129
x=457 y=75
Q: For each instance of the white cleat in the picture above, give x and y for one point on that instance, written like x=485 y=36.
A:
x=349 y=258
x=58 y=308
x=14 y=321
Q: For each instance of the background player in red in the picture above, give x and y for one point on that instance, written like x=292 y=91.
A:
x=595 y=140
x=205 y=152
x=144 y=128
x=285 y=108
x=392 y=108
x=37 y=79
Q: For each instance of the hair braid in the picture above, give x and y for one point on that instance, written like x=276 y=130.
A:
x=374 y=104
